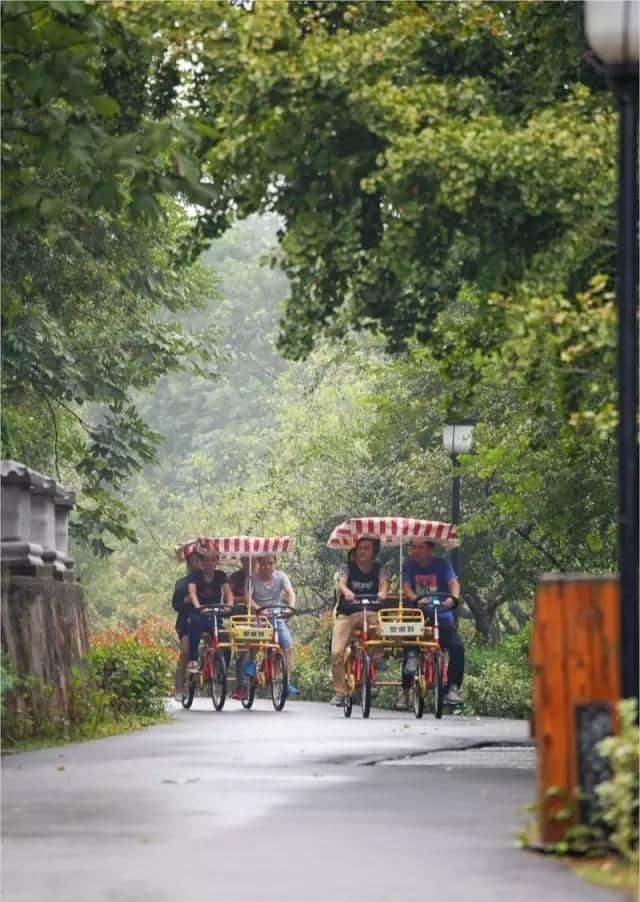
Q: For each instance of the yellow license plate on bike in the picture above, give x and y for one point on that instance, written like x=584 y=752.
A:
x=249 y=628
x=400 y=630
x=401 y=623
x=252 y=633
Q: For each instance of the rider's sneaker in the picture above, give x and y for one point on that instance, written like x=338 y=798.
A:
x=240 y=693
x=337 y=699
x=192 y=667
x=292 y=690
x=177 y=695
x=453 y=696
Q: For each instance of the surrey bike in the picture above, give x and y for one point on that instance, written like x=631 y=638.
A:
x=253 y=635
x=214 y=651
x=401 y=628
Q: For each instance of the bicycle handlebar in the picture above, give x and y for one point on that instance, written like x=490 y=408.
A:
x=433 y=598
x=278 y=610
x=213 y=609
x=364 y=600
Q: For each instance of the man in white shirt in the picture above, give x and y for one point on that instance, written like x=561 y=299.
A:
x=271 y=587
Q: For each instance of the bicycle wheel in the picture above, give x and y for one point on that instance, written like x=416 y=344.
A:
x=189 y=689
x=419 y=685
x=437 y=686
x=349 y=682
x=218 y=682
x=251 y=694
x=279 y=680
x=365 y=688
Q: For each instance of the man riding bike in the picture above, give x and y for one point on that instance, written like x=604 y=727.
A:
x=422 y=574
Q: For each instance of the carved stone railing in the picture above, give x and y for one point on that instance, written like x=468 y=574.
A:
x=35 y=521
x=44 y=618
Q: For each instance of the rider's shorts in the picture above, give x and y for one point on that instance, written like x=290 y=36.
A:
x=284 y=636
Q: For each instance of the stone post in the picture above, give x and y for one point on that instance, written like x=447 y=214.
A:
x=18 y=549
x=44 y=619
x=64 y=502
x=43 y=518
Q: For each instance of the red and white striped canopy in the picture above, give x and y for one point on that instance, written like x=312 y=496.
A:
x=234 y=547
x=392 y=531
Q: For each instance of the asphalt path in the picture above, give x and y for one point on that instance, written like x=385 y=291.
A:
x=299 y=805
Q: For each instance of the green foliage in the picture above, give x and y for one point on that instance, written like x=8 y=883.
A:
x=511 y=650
x=214 y=424
x=457 y=203
x=498 y=682
x=95 y=180
x=121 y=685
x=312 y=664
x=452 y=144
x=84 y=129
x=33 y=712
x=8 y=678
x=136 y=677
x=74 y=361
x=499 y=690
x=618 y=797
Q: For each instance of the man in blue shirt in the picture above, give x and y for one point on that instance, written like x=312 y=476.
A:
x=423 y=574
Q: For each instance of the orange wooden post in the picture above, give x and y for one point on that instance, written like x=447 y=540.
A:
x=575 y=657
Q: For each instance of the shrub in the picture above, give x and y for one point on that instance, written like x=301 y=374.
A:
x=512 y=650
x=312 y=664
x=618 y=796
x=7 y=682
x=122 y=683
x=133 y=669
x=498 y=681
x=500 y=690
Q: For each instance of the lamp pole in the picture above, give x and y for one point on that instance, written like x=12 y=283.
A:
x=456 y=440
x=612 y=32
x=626 y=90
x=455 y=510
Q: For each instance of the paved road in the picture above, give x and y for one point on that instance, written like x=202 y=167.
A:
x=301 y=805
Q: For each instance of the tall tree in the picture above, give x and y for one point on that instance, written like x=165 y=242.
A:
x=91 y=231
x=411 y=148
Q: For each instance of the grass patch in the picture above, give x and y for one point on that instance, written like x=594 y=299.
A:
x=127 y=724
x=612 y=872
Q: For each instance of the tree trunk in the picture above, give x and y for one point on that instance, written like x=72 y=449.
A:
x=44 y=632
x=484 y=617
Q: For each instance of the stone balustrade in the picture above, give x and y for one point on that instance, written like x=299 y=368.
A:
x=44 y=618
x=35 y=521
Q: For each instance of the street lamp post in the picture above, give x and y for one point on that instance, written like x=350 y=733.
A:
x=456 y=440
x=612 y=30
